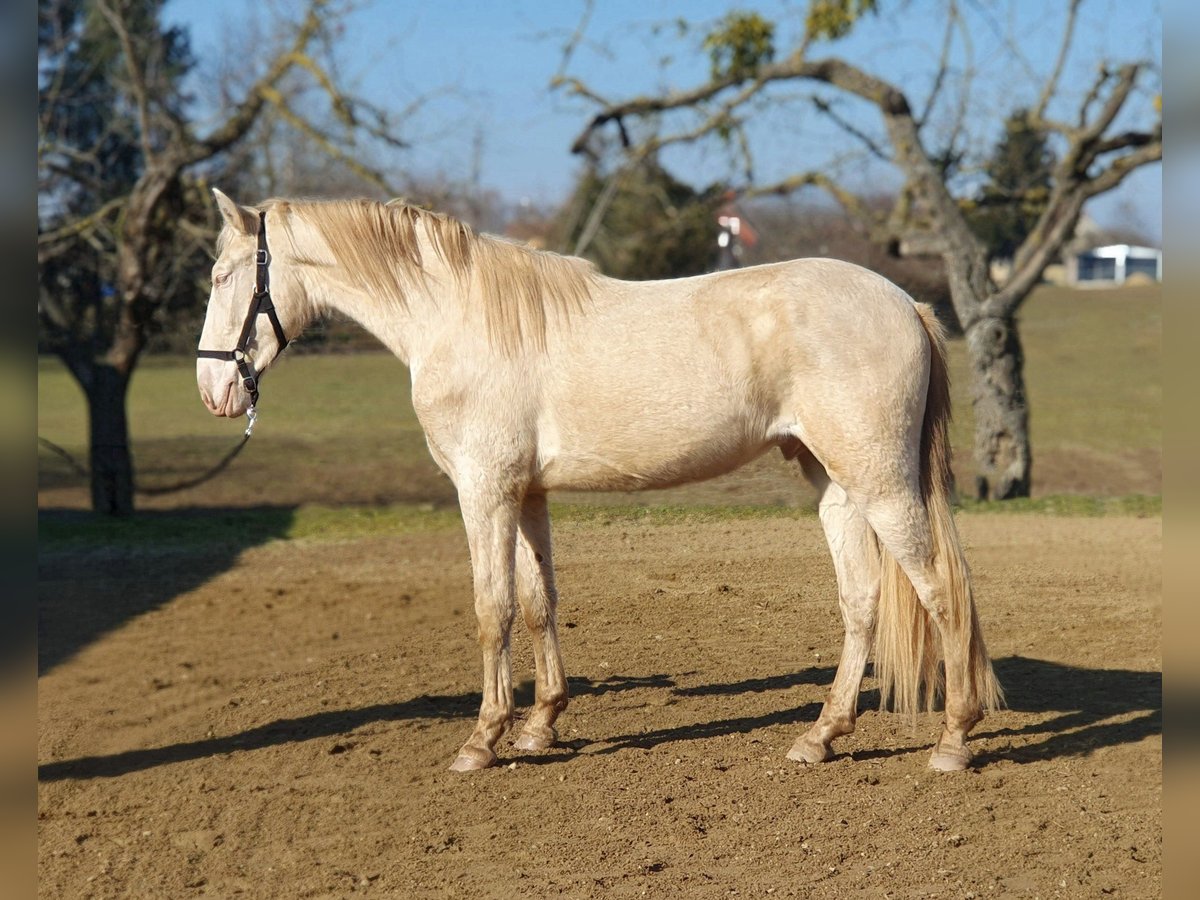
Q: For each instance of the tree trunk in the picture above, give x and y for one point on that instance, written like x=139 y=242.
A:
x=1001 y=408
x=111 y=462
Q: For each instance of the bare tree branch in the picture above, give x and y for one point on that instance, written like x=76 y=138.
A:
x=1075 y=182
x=1146 y=153
x=327 y=143
x=1126 y=77
x=643 y=106
x=848 y=201
x=943 y=68
x=964 y=95
x=823 y=106
x=50 y=243
x=573 y=42
x=1052 y=231
x=1061 y=216
x=592 y=226
x=1102 y=79
x=137 y=80
x=243 y=117
x=1050 y=88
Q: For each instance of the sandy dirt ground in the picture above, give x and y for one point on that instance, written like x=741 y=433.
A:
x=278 y=722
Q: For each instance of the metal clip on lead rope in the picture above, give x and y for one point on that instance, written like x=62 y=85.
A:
x=252 y=417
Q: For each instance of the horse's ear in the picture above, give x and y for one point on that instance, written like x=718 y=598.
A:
x=239 y=218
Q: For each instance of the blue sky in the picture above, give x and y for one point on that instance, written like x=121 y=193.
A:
x=485 y=69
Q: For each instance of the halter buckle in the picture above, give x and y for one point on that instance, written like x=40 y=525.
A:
x=262 y=257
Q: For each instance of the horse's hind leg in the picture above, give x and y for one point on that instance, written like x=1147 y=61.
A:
x=904 y=527
x=856 y=561
x=539 y=599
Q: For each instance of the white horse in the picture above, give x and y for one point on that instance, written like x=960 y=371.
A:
x=531 y=373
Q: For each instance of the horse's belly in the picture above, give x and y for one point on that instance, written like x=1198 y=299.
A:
x=645 y=459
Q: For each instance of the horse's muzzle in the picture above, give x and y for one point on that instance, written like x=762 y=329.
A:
x=222 y=395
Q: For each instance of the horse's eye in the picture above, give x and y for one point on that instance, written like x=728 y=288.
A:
x=221 y=279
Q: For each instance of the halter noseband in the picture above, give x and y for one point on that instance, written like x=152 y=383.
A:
x=260 y=303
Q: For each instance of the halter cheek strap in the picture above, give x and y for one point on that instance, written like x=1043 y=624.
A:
x=260 y=304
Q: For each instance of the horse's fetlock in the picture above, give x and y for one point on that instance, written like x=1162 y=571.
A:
x=837 y=726
x=963 y=717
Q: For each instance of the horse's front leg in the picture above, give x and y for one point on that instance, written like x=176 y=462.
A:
x=539 y=600
x=490 y=517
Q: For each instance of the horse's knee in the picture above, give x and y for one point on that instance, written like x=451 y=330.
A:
x=495 y=605
x=495 y=628
x=536 y=614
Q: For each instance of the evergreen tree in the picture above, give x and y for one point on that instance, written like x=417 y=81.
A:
x=1018 y=188
x=646 y=225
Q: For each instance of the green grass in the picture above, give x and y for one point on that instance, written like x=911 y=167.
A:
x=321 y=399
x=340 y=429
x=1070 y=505
x=331 y=429
x=1093 y=366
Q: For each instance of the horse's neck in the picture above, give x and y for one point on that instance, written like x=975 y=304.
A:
x=407 y=325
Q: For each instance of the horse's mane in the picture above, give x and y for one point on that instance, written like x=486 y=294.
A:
x=517 y=289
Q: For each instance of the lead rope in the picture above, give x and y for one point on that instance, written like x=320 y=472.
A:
x=82 y=471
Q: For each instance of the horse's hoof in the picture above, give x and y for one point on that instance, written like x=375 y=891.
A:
x=471 y=758
x=807 y=751
x=533 y=741
x=950 y=759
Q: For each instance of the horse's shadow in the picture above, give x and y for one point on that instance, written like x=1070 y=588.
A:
x=1092 y=708
x=321 y=725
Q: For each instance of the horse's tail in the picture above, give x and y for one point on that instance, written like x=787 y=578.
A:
x=906 y=658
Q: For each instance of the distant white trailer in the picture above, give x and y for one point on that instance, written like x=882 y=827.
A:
x=1114 y=265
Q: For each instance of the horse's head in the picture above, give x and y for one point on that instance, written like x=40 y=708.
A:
x=243 y=333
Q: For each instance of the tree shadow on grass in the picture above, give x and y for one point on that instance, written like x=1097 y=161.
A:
x=97 y=573
x=1086 y=701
